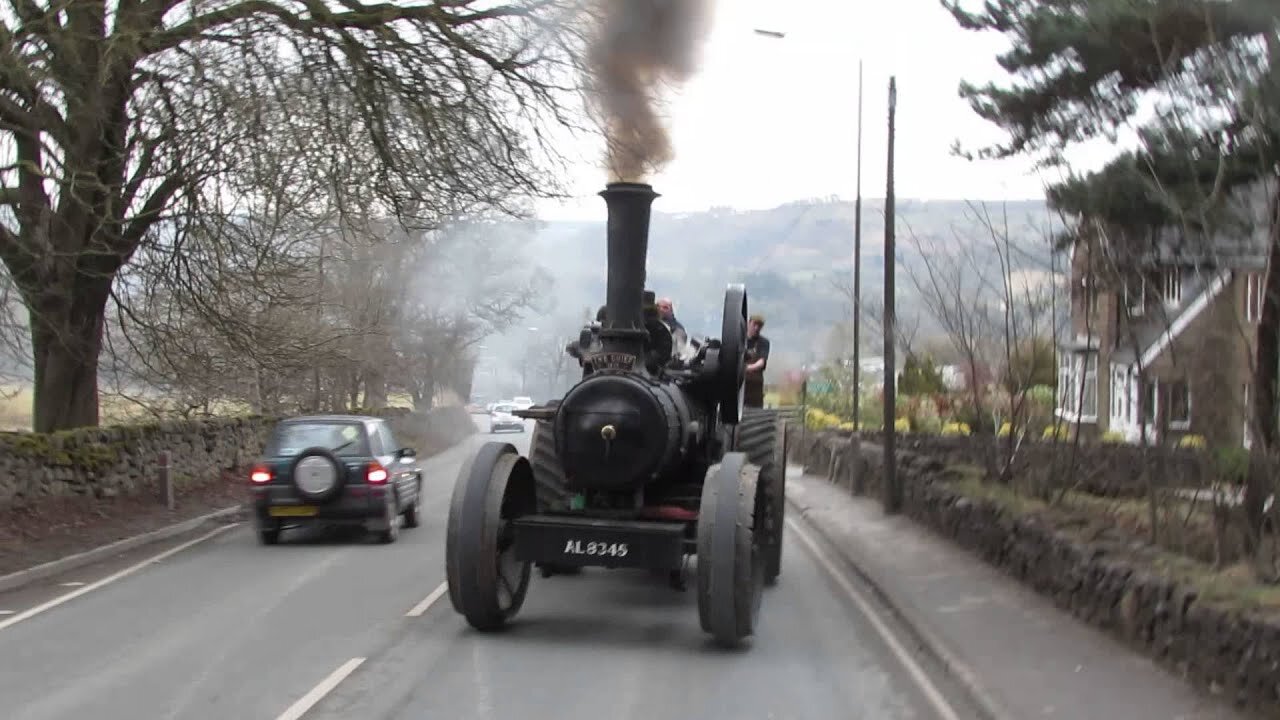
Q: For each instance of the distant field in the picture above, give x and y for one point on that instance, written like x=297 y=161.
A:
x=15 y=408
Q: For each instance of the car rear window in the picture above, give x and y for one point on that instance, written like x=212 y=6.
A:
x=346 y=439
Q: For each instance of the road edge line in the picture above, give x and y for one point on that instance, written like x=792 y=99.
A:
x=959 y=671
x=118 y=575
x=21 y=578
x=317 y=693
x=923 y=682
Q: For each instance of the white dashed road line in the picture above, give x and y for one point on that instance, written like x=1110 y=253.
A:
x=326 y=686
x=428 y=601
x=931 y=692
x=32 y=612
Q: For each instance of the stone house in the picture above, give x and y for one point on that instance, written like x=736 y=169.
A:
x=1162 y=329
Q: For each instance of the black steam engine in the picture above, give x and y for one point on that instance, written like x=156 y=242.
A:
x=649 y=461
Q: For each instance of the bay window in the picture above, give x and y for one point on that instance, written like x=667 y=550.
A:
x=1253 y=297
x=1078 y=385
x=1173 y=285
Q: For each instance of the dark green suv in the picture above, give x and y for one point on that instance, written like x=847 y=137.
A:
x=346 y=469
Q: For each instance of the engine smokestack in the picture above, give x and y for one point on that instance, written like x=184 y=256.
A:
x=628 y=249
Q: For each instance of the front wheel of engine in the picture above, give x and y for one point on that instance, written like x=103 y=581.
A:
x=487 y=584
x=730 y=559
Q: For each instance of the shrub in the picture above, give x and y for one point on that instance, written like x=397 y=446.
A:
x=1231 y=464
x=1059 y=432
x=902 y=425
x=1192 y=441
x=818 y=419
x=1113 y=436
x=955 y=428
x=924 y=416
x=930 y=426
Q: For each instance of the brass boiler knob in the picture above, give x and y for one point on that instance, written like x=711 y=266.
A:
x=608 y=432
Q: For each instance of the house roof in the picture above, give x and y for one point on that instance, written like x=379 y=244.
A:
x=1161 y=324
x=1238 y=241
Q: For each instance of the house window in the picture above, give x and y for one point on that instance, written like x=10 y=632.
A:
x=1179 y=398
x=1128 y=398
x=1148 y=405
x=1135 y=296
x=1117 y=394
x=1246 y=436
x=1066 y=399
x=1089 y=408
x=1252 y=297
x=1173 y=286
x=1076 y=372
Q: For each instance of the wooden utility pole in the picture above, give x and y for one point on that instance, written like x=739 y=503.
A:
x=857 y=270
x=892 y=488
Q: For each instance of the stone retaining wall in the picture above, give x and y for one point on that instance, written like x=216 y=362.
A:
x=1103 y=469
x=123 y=460
x=1105 y=583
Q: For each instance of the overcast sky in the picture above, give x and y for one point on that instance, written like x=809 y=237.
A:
x=768 y=121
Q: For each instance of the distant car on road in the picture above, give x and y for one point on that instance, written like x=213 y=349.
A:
x=522 y=402
x=344 y=469
x=500 y=418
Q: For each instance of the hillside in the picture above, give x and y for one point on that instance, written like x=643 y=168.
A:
x=790 y=258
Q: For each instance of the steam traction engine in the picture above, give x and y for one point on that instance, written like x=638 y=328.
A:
x=648 y=461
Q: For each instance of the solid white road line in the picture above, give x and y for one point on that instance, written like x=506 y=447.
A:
x=109 y=579
x=428 y=601
x=306 y=702
x=935 y=696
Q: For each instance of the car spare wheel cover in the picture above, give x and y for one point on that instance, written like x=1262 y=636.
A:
x=315 y=474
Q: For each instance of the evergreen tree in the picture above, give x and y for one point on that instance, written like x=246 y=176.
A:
x=920 y=376
x=1082 y=70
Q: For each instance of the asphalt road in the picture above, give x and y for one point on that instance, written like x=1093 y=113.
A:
x=335 y=626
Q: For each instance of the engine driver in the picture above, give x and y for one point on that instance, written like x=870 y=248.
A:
x=757 y=361
x=679 y=337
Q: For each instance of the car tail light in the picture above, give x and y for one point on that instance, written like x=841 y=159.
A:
x=375 y=474
x=261 y=475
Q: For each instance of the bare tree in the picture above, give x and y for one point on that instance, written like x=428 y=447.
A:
x=973 y=288
x=906 y=329
x=116 y=120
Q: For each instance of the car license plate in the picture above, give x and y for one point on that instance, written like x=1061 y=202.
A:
x=294 y=511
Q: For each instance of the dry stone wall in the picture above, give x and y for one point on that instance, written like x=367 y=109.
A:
x=124 y=460
x=1103 y=469
x=1107 y=583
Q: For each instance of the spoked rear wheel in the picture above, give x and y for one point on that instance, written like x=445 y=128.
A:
x=762 y=435
x=487 y=583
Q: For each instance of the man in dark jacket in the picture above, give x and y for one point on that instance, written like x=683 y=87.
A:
x=757 y=361
x=679 y=337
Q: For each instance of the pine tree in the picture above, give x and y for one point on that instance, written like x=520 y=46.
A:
x=1083 y=69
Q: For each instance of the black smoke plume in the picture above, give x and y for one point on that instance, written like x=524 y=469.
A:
x=639 y=47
